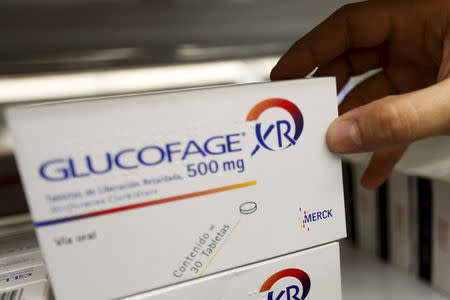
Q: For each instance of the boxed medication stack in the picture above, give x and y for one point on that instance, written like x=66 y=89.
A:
x=167 y=191
x=417 y=194
x=394 y=221
x=410 y=223
x=410 y=234
x=22 y=271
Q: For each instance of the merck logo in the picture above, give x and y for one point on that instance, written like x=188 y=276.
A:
x=293 y=292
x=286 y=134
x=308 y=217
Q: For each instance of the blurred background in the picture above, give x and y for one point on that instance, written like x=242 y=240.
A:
x=54 y=50
x=66 y=49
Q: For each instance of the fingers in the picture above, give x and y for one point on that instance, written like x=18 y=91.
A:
x=354 y=62
x=380 y=166
x=359 y=25
x=393 y=121
x=375 y=87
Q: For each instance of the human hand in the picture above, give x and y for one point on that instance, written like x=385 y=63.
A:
x=408 y=100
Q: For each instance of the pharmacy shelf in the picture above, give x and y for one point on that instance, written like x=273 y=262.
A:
x=365 y=277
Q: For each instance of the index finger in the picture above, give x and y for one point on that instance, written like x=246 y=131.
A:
x=359 y=25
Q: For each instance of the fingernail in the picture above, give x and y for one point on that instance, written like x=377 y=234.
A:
x=344 y=136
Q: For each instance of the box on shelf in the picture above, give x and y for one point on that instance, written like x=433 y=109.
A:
x=311 y=274
x=394 y=221
x=22 y=271
x=402 y=230
x=441 y=236
x=163 y=188
x=366 y=217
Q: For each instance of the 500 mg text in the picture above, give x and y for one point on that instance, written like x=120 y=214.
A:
x=213 y=167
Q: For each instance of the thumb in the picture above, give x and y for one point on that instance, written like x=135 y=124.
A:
x=393 y=121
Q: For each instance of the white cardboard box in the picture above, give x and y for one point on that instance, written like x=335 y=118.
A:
x=400 y=209
x=366 y=218
x=441 y=236
x=312 y=274
x=135 y=193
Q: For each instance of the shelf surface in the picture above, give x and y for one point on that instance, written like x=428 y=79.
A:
x=364 y=277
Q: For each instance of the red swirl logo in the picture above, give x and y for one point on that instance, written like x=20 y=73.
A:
x=291 y=292
x=287 y=134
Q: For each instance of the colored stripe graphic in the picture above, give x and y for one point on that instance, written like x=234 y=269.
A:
x=145 y=204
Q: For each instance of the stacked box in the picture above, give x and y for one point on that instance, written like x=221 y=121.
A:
x=311 y=274
x=22 y=271
x=169 y=187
